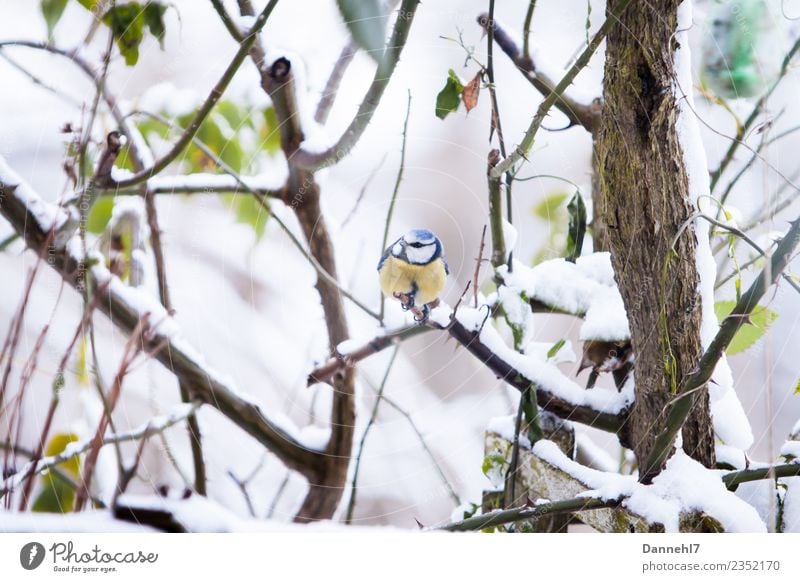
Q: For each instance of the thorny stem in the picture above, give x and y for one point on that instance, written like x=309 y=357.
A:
x=504 y=516
x=688 y=389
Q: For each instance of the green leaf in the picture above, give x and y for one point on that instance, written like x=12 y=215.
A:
x=749 y=333
x=249 y=211
x=797 y=388
x=126 y=22
x=52 y=11
x=577 y=226
x=56 y=496
x=551 y=353
x=100 y=214
x=154 y=20
x=449 y=98
x=89 y=4
x=271 y=135
x=366 y=21
x=548 y=208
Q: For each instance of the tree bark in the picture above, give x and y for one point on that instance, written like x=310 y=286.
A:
x=644 y=203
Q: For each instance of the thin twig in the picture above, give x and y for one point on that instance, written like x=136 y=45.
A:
x=315 y=160
x=390 y=211
x=212 y=99
x=351 y=505
x=334 y=80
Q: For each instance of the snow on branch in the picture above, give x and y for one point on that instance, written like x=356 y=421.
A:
x=555 y=392
x=585 y=288
x=686 y=496
x=34 y=220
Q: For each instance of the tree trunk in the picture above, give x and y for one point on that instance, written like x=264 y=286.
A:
x=644 y=203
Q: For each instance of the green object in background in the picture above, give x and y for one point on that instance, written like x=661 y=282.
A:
x=739 y=59
x=57 y=496
x=758 y=323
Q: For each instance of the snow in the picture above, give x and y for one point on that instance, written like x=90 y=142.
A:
x=791 y=449
x=272 y=180
x=518 y=313
x=791 y=506
x=505 y=426
x=730 y=422
x=732 y=456
x=48 y=216
x=684 y=486
x=584 y=288
x=510 y=235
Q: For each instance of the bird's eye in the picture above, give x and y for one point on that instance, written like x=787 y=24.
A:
x=417 y=245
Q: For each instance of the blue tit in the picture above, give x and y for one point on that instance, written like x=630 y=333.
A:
x=414 y=270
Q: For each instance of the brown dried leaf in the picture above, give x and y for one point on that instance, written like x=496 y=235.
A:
x=471 y=92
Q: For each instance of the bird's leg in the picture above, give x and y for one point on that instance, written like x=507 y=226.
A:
x=406 y=300
x=421 y=315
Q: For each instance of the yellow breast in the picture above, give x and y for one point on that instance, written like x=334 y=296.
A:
x=426 y=280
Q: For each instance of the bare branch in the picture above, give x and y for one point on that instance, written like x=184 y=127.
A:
x=332 y=86
x=169 y=349
x=526 y=144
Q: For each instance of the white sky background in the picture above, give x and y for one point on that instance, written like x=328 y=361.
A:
x=253 y=311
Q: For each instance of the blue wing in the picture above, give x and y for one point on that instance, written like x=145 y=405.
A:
x=446 y=266
x=385 y=256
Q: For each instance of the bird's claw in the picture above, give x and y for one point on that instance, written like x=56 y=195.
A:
x=421 y=315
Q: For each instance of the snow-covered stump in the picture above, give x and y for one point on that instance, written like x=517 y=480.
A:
x=539 y=479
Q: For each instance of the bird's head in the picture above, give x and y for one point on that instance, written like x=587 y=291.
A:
x=418 y=247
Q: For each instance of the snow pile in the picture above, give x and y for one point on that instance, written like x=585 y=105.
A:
x=730 y=422
x=586 y=288
x=683 y=487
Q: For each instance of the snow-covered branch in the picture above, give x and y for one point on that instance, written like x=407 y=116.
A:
x=383 y=74
x=555 y=392
x=33 y=219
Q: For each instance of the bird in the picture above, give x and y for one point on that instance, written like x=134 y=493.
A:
x=413 y=270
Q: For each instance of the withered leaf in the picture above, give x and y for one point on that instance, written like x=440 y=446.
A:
x=471 y=93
